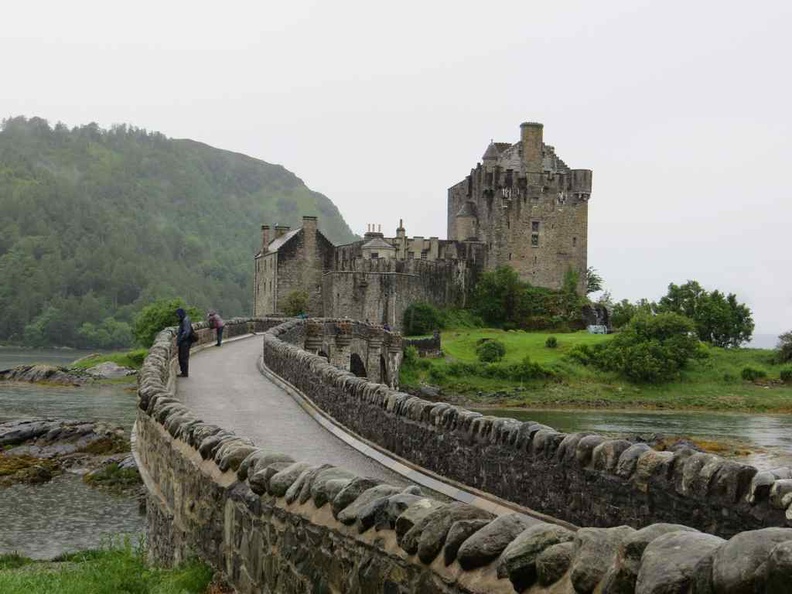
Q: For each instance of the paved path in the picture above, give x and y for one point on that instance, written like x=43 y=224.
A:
x=226 y=388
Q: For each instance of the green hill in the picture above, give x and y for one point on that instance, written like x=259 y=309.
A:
x=98 y=223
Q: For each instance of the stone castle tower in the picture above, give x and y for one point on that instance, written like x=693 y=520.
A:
x=528 y=208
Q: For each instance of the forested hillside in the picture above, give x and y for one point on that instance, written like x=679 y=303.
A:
x=95 y=224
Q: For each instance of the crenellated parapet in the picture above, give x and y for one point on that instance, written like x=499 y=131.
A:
x=271 y=523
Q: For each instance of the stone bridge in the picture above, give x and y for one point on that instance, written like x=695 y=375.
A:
x=248 y=465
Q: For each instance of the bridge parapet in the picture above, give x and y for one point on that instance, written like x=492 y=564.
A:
x=275 y=525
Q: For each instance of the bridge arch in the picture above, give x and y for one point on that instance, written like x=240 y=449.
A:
x=357 y=366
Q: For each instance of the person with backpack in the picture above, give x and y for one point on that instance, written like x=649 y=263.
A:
x=216 y=322
x=185 y=336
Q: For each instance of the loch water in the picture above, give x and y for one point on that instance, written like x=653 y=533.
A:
x=64 y=515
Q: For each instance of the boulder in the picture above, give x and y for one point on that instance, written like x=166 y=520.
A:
x=596 y=550
x=518 y=560
x=669 y=562
x=489 y=542
x=605 y=456
x=259 y=480
x=780 y=489
x=349 y=514
x=629 y=458
x=413 y=513
x=385 y=517
x=457 y=534
x=736 y=568
x=779 y=569
x=354 y=489
x=282 y=480
x=434 y=533
x=319 y=488
x=554 y=562
x=109 y=370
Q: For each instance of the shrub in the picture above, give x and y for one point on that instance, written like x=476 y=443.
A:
x=159 y=315
x=551 y=342
x=785 y=375
x=437 y=374
x=410 y=355
x=296 y=303
x=490 y=351
x=784 y=347
x=729 y=378
x=751 y=374
x=584 y=354
x=421 y=318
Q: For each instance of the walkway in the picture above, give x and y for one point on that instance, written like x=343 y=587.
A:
x=225 y=388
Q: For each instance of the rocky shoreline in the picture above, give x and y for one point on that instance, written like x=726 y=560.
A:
x=35 y=450
x=64 y=376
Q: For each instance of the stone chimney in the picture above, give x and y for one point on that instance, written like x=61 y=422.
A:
x=265 y=238
x=531 y=138
x=309 y=225
x=281 y=230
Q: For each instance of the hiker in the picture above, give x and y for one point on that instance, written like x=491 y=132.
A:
x=216 y=322
x=184 y=340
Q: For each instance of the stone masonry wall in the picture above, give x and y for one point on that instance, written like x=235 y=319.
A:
x=274 y=525
x=581 y=478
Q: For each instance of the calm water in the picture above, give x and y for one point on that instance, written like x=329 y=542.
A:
x=770 y=435
x=42 y=521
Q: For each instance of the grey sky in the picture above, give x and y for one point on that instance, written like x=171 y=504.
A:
x=682 y=109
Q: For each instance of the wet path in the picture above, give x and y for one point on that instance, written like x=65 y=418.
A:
x=226 y=388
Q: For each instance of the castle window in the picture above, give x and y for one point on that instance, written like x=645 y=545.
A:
x=574 y=241
x=534 y=240
x=534 y=226
x=374 y=255
x=423 y=255
x=509 y=255
x=534 y=259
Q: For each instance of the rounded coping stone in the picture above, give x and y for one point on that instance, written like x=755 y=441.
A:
x=518 y=560
x=307 y=483
x=349 y=515
x=585 y=448
x=293 y=492
x=629 y=459
x=413 y=513
x=734 y=570
x=489 y=542
x=458 y=533
x=670 y=561
x=350 y=492
x=233 y=457
x=554 y=562
x=282 y=480
x=328 y=484
x=606 y=455
x=395 y=506
x=259 y=480
x=596 y=550
x=433 y=535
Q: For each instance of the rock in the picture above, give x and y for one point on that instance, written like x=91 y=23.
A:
x=652 y=466
x=350 y=492
x=621 y=577
x=319 y=488
x=732 y=481
x=606 y=455
x=459 y=533
x=395 y=506
x=433 y=535
x=489 y=542
x=779 y=569
x=518 y=560
x=282 y=480
x=109 y=370
x=734 y=570
x=307 y=482
x=231 y=458
x=258 y=460
x=629 y=458
x=46 y=374
x=585 y=448
x=349 y=514
x=293 y=492
x=777 y=493
x=595 y=553
x=259 y=481
x=669 y=561
x=554 y=562
x=414 y=513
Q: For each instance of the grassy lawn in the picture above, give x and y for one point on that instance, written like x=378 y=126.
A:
x=117 y=569
x=132 y=359
x=714 y=383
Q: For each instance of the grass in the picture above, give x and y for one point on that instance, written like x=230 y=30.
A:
x=113 y=477
x=118 y=568
x=132 y=359
x=714 y=383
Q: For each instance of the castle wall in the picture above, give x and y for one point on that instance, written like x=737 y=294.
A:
x=265 y=284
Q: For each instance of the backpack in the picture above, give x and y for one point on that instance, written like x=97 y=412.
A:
x=193 y=336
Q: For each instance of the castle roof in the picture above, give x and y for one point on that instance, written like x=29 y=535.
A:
x=377 y=243
x=278 y=243
x=492 y=152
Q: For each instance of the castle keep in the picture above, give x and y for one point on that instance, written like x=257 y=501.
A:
x=521 y=206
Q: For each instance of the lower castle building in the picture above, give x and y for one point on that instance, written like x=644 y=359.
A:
x=521 y=206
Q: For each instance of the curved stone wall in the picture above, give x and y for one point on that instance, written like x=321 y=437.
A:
x=589 y=480
x=275 y=525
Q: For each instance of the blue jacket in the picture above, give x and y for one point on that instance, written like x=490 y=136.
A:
x=185 y=329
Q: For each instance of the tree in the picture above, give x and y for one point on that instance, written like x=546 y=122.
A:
x=497 y=295
x=421 y=318
x=784 y=347
x=157 y=316
x=296 y=303
x=624 y=311
x=490 y=351
x=720 y=319
x=651 y=349
x=594 y=281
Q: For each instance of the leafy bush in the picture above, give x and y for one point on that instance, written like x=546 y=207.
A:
x=785 y=375
x=159 y=315
x=551 y=342
x=421 y=318
x=410 y=355
x=437 y=374
x=296 y=303
x=751 y=374
x=490 y=351
x=784 y=348
x=652 y=349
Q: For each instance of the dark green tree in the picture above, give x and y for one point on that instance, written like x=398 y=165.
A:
x=784 y=347
x=499 y=296
x=594 y=281
x=421 y=318
x=624 y=311
x=296 y=303
x=720 y=319
x=157 y=316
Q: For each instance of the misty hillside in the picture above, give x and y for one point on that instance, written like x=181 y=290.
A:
x=98 y=223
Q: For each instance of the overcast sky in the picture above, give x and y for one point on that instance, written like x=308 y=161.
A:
x=682 y=109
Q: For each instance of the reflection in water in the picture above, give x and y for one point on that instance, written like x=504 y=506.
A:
x=64 y=515
x=767 y=432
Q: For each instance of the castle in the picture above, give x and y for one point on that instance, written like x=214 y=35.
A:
x=521 y=206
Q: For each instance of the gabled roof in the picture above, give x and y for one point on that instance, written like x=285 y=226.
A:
x=377 y=243
x=278 y=243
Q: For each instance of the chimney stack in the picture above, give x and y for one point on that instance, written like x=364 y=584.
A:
x=531 y=138
x=265 y=238
x=281 y=230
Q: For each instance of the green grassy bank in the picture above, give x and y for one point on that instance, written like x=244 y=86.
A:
x=110 y=571
x=550 y=378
